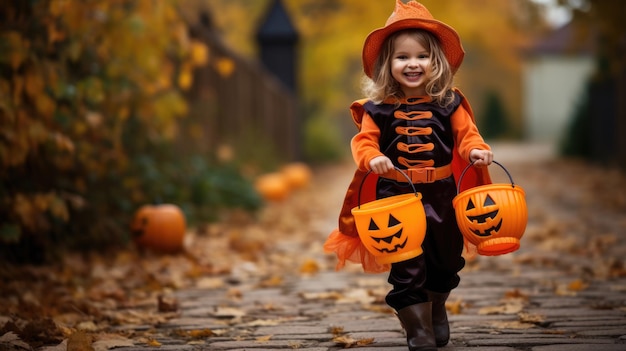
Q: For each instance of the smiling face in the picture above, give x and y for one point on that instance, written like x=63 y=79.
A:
x=410 y=65
x=484 y=219
x=388 y=238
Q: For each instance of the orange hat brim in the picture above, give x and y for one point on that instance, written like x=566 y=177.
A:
x=449 y=40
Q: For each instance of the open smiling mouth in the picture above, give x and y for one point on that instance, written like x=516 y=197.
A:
x=489 y=231
x=482 y=219
x=389 y=239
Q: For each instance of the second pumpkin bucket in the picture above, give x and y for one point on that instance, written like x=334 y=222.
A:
x=493 y=217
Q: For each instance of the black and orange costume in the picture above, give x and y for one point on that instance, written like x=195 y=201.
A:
x=432 y=144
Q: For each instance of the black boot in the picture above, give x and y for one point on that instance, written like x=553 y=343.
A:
x=417 y=322
x=441 y=328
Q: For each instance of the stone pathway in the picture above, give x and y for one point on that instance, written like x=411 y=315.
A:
x=564 y=290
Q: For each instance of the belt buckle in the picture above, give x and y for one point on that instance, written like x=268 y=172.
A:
x=428 y=174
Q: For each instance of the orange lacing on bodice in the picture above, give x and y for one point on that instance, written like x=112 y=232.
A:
x=412 y=115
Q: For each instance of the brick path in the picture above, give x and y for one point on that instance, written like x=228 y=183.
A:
x=564 y=290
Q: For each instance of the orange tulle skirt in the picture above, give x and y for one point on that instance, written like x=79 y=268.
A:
x=350 y=248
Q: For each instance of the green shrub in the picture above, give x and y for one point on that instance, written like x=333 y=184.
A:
x=322 y=141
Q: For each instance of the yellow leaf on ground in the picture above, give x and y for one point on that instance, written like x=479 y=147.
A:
x=512 y=307
x=264 y=338
x=512 y=325
x=200 y=333
x=228 y=312
x=153 y=343
x=272 y=282
x=531 y=318
x=454 y=307
x=577 y=285
x=348 y=342
x=309 y=266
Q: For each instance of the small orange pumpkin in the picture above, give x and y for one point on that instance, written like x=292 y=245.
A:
x=159 y=227
x=298 y=174
x=272 y=186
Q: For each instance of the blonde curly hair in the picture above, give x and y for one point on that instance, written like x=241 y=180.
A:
x=382 y=85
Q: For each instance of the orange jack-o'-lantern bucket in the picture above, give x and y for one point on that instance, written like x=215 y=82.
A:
x=392 y=229
x=493 y=217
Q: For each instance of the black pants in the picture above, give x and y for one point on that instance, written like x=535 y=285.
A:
x=437 y=268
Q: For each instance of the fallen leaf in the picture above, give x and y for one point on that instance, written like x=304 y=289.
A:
x=326 y=295
x=60 y=347
x=263 y=322
x=228 y=312
x=264 y=338
x=167 y=304
x=515 y=294
x=357 y=296
x=80 y=341
x=577 y=285
x=513 y=307
x=512 y=325
x=531 y=318
x=271 y=282
x=87 y=326
x=200 y=333
x=309 y=266
x=106 y=342
x=153 y=343
x=563 y=290
x=234 y=294
x=336 y=330
x=347 y=342
x=295 y=345
x=210 y=283
x=454 y=307
x=11 y=341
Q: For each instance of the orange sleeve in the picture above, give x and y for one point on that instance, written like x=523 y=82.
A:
x=365 y=144
x=466 y=135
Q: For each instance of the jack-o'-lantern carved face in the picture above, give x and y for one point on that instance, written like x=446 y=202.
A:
x=492 y=216
x=392 y=229
x=483 y=216
x=388 y=239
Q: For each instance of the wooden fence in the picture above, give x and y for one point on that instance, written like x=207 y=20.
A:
x=239 y=103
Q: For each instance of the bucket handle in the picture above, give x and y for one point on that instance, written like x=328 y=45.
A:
x=397 y=169
x=458 y=186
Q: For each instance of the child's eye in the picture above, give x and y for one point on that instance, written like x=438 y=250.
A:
x=424 y=56
x=401 y=57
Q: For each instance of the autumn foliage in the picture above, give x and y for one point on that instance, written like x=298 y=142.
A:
x=91 y=94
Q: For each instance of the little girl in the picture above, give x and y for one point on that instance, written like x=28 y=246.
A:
x=413 y=119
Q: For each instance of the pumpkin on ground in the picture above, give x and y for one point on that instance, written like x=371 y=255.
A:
x=272 y=186
x=159 y=227
x=298 y=174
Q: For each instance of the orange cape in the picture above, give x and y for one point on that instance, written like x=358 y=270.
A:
x=344 y=241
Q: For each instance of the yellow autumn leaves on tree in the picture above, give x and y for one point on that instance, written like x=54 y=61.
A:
x=74 y=76
x=331 y=35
